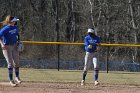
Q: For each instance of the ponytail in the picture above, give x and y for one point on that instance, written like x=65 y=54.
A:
x=7 y=20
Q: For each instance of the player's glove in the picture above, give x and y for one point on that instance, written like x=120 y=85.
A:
x=20 y=47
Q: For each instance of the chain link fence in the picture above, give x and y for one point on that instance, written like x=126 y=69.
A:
x=71 y=57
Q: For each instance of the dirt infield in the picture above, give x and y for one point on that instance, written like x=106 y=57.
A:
x=29 y=87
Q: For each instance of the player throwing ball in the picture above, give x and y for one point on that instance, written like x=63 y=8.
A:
x=9 y=39
x=91 y=42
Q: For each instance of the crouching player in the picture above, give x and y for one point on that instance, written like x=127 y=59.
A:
x=91 y=43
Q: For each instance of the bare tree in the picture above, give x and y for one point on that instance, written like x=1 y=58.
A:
x=117 y=21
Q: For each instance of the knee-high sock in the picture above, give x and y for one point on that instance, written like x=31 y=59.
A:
x=96 y=71
x=84 y=75
x=10 y=71
x=17 y=71
x=96 y=74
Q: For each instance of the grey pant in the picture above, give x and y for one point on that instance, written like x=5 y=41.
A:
x=11 y=55
x=90 y=57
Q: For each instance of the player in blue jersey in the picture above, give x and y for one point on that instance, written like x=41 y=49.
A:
x=9 y=39
x=91 y=42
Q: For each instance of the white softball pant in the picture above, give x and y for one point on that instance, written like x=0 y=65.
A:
x=90 y=57
x=11 y=55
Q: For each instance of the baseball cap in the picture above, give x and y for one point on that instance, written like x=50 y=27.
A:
x=14 y=19
x=91 y=30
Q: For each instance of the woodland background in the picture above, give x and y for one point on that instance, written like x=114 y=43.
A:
x=116 y=21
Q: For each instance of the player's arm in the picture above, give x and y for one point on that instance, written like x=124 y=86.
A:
x=2 y=31
x=2 y=45
x=86 y=43
x=18 y=36
x=98 y=44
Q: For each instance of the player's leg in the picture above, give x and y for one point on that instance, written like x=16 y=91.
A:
x=8 y=56
x=15 y=55
x=86 y=66
x=96 y=70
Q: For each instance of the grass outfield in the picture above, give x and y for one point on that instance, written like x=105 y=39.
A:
x=48 y=75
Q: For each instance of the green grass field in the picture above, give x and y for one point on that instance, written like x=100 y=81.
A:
x=75 y=76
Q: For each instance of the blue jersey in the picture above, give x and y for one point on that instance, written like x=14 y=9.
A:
x=9 y=35
x=91 y=41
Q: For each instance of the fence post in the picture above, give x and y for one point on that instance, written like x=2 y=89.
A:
x=57 y=30
x=107 y=60
x=58 y=56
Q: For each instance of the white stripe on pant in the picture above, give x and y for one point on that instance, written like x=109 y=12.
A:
x=11 y=55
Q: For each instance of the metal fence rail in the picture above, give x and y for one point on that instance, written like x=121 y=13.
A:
x=78 y=43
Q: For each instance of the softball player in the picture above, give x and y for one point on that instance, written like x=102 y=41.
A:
x=9 y=39
x=91 y=43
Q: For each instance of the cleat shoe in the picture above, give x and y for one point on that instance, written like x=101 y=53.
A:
x=12 y=83
x=17 y=79
x=96 y=83
x=82 y=83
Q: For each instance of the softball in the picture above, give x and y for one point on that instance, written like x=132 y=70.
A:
x=89 y=46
